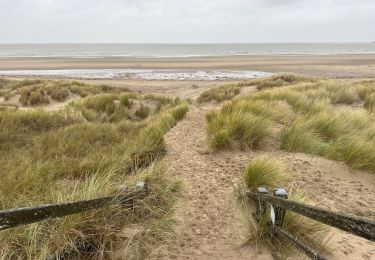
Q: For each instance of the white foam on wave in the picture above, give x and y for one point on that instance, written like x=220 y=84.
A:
x=138 y=74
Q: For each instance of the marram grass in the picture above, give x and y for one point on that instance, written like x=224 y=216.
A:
x=86 y=151
x=330 y=118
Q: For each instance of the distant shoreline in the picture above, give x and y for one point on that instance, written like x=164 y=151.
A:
x=178 y=56
x=156 y=57
x=181 y=50
x=344 y=65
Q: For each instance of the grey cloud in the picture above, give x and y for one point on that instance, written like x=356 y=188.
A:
x=187 y=21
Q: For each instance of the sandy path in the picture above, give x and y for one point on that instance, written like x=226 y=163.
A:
x=209 y=221
x=207 y=215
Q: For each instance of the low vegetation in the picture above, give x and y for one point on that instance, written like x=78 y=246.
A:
x=236 y=130
x=330 y=118
x=220 y=93
x=36 y=92
x=87 y=150
x=229 y=91
x=266 y=172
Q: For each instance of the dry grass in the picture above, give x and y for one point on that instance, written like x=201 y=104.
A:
x=85 y=151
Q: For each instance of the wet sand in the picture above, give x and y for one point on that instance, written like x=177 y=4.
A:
x=337 y=66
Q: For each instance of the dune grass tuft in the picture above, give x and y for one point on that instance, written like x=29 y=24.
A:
x=370 y=102
x=236 y=130
x=143 y=111
x=356 y=151
x=299 y=138
x=280 y=80
x=269 y=173
x=264 y=172
x=220 y=93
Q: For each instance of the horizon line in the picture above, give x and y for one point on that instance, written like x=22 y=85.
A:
x=189 y=43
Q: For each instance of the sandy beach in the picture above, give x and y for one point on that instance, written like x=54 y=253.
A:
x=351 y=66
x=337 y=66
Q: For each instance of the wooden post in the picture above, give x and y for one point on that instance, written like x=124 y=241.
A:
x=261 y=204
x=279 y=212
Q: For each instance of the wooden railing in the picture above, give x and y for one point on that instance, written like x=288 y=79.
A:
x=279 y=203
x=11 y=218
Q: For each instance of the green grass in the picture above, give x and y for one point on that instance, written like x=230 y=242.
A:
x=299 y=138
x=264 y=172
x=317 y=116
x=229 y=91
x=143 y=111
x=220 y=93
x=125 y=100
x=41 y=92
x=280 y=80
x=83 y=151
x=236 y=130
x=370 y=102
x=356 y=151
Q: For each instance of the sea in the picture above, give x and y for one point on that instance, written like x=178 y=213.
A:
x=106 y=50
x=180 y=50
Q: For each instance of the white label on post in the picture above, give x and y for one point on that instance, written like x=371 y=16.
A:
x=272 y=215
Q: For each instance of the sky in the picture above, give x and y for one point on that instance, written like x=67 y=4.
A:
x=186 y=21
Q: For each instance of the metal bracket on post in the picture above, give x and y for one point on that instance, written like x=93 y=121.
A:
x=261 y=204
x=279 y=213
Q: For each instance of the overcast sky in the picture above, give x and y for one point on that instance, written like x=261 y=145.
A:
x=177 y=21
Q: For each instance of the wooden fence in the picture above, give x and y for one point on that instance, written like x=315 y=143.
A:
x=11 y=218
x=279 y=204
